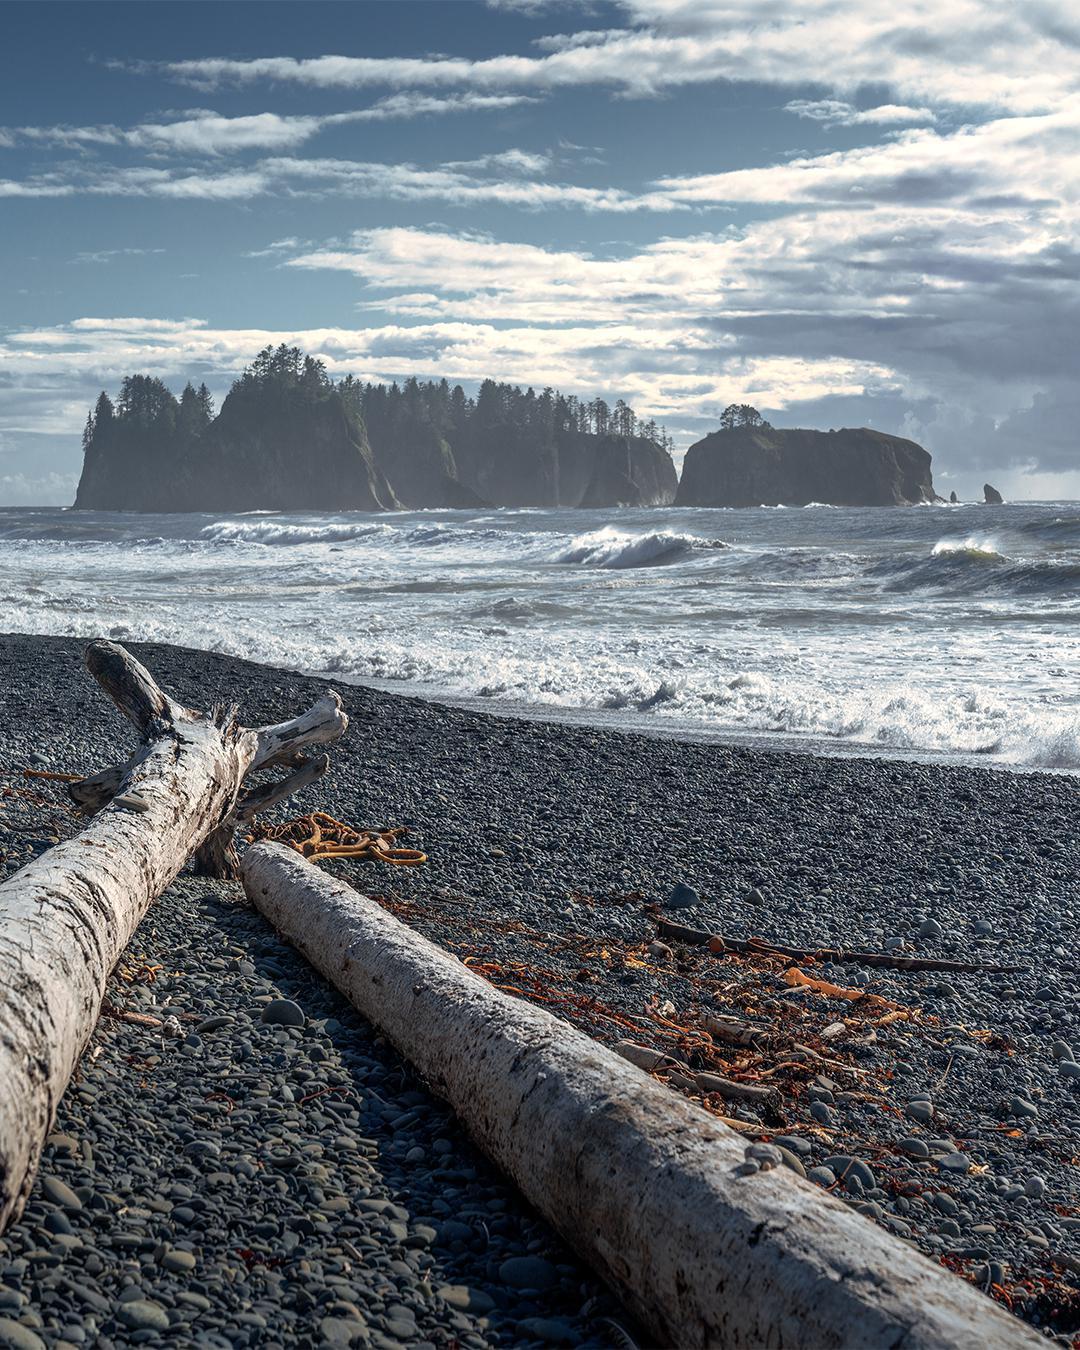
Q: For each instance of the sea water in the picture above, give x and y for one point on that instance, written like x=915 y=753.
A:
x=941 y=632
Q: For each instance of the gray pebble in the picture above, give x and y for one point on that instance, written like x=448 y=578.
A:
x=528 y=1272
x=283 y=1012
x=60 y=1193
x=682 y=896
x=142 y=1315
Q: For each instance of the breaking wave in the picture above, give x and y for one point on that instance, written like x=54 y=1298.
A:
x=616 y=549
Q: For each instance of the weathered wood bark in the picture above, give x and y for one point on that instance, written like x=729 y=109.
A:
x=638 y=1179
x=67 y=916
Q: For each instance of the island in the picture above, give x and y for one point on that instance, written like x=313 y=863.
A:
x=290 y=438
x=750 y=463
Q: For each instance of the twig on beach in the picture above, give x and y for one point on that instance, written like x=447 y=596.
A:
x=123 y=1015
x=720 y=943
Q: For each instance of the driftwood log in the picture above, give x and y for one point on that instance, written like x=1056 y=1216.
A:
x=644 y=1184
x=66 y=917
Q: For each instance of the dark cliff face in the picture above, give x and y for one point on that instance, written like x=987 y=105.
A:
x=507 y=466
x=422 y=468
x=766 y=467
x=288 y=439
x=271 y=453
x=280 y=454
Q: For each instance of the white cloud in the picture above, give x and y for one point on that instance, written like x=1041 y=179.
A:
x=966 y=53
x=199 y=131
x=463 y=183
x=50 y=489
x=106 y=255
x=835 y=112
x=516 y=161
x=1034 y=158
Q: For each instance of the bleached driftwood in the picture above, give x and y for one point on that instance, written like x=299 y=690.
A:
x=640 y=1181
x=66 y=917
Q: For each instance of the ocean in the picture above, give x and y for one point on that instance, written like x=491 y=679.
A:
x=943 y=633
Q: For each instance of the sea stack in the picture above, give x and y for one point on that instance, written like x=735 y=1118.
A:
x=991 y=496
x=763 y=466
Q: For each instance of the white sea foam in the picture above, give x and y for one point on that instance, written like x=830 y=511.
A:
x=820 y=627
x=609 y=547
x=284 y=532
x=976 y=547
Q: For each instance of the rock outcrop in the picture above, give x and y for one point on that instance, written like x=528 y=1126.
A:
x=991 y=496
x=750 y=466
x=288 y=438
x=271 y=452
x=509 y=467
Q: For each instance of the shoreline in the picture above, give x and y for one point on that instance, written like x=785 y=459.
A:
x=547 y=845
x=687 y=731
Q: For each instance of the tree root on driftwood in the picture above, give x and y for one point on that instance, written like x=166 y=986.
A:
x=66 y=917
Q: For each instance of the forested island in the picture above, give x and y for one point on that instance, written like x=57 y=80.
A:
x=288 y=437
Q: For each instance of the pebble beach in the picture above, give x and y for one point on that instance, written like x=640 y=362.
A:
x=270 y=1173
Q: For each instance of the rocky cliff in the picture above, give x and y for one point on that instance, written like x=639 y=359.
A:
x=749 y=466
x=509 y=467
x=270 y=453
x=288 y=438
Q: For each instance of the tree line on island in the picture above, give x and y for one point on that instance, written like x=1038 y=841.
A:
x=286 y=431
x=288 y=437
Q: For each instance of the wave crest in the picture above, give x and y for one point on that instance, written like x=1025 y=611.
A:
x=617 y=549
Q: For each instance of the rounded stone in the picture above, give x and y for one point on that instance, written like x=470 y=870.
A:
x=60 y=1193
x=283 y=1012
x=14 y=1336
x=178 y=1261
x=463 y=1298
x=528 y=1272
x=142 y=1315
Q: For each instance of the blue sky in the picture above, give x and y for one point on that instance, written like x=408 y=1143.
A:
x=843 y=213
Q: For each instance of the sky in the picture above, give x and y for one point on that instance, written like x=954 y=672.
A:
x=845 y=212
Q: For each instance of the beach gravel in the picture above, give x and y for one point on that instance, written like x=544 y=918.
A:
x=283 y=1179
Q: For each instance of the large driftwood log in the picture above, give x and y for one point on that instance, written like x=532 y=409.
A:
x=644 y=1184
x=66 y=917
